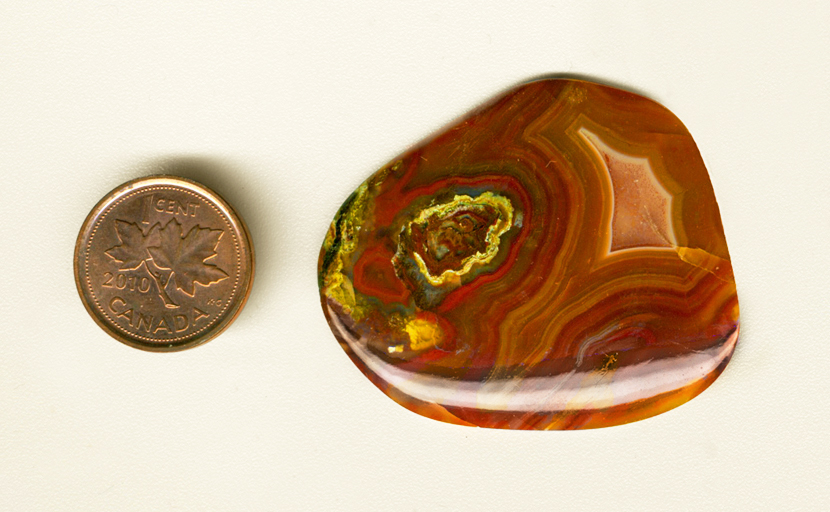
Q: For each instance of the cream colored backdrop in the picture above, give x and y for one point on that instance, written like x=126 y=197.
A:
x=284 y=108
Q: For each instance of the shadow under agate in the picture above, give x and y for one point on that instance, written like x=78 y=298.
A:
x=487 y=102
x=585 y=78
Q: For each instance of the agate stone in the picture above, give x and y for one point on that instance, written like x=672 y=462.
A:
x=556 y=260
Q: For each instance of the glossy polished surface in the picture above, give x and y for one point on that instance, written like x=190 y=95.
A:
x=556 y=260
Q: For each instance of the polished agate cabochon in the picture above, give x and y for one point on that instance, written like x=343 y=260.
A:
x=556 y=260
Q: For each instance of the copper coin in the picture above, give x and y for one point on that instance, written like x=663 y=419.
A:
x=163 y=263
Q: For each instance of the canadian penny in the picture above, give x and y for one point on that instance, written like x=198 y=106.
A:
x=163 y=263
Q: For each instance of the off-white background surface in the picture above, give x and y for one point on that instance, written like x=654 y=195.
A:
x=285 y=109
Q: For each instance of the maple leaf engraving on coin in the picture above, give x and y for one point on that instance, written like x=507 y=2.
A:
x=132 y=251
x=165 y=254
x=185 y=255
x=156 y=283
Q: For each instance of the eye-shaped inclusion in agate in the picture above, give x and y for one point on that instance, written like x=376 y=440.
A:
x=556 y=260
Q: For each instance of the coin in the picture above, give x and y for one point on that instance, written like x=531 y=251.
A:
x=163 y=264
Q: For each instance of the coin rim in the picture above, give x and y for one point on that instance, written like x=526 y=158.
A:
x=245 y=283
